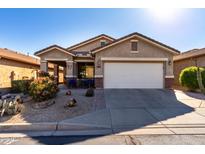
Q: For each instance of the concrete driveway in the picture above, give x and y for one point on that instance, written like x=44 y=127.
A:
x=147 y=111
x=161 y=111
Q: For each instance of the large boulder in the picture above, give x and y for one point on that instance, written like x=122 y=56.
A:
x=89 y=92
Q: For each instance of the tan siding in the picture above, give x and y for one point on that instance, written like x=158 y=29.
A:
x=123 y=50
x=20 y=70
x=55 y=54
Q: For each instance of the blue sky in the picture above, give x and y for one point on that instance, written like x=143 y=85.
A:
x=29 y=30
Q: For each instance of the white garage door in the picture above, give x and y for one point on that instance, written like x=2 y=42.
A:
x=133 y=75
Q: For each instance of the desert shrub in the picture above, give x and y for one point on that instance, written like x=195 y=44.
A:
x=20 y=86
x=52 y=77
x=188 y=78
x=43 y=89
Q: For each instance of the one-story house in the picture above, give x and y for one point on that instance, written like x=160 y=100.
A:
x=132 y=61
x=17 y=66
x=194 y=57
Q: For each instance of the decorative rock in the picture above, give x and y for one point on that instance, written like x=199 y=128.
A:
x=71 y=103
x=89 y=92
x=27 y=99
x=6 y=96
x=68 y=93
x=18 y=99
x=43 y=105
x=1 y=103
x=11 y=96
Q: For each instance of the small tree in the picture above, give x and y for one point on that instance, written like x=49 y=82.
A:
x=192 y=78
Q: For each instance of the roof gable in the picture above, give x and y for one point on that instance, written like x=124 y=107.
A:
x=51 y=48
x=103 y=36
x=143 y=37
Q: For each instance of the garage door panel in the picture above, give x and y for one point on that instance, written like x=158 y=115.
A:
x=133 y=75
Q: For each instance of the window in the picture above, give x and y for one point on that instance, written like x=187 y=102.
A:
x=85 y=70
x=103 y=43
x=134 y=46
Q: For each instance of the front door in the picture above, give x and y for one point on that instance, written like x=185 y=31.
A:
x=85 y=75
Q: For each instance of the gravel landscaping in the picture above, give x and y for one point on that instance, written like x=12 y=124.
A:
x=57 y=112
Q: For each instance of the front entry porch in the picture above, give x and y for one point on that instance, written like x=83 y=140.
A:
x=59 y=69
x=84 y=76
x=76 y=74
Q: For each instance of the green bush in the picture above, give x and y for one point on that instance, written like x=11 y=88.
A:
x=20 y=86
x=188 y=78
x=43 y=89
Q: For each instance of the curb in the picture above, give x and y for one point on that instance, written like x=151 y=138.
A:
x=71 y=129
x=50 y=129
x=57 y=133
x=16 y=127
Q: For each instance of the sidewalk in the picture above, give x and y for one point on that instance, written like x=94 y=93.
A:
x=91 y=125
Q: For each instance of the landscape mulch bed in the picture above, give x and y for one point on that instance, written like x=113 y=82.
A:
x=56 y=112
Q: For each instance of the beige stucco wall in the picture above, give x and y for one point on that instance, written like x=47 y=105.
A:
x=201 y=61
x=181 y=64
x=91 y=45
x=58 y=55
x=55 y=54
x=20 y=70
x=145 y=50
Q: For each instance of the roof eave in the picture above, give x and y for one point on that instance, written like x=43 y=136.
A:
x=189 y=57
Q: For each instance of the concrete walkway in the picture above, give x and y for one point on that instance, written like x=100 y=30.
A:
x=132 y=112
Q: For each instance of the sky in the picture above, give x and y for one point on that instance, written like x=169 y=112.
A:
x=29 y=30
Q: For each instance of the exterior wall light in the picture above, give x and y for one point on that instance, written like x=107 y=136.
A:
x=98 y=64
x=169 y=62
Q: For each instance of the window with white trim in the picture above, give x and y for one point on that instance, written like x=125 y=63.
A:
x=134 y=46
x=103 y=43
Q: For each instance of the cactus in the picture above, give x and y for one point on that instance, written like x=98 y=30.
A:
x=11 y=107
x=199 y=79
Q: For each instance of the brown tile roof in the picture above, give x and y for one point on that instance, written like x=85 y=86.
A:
x=88 y=40
x=190 y=54
x=141 y=35
x=73 y=47
x=14 y=55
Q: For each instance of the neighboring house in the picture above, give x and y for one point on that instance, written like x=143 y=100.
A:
x=133 y=61
x=195 y=57
x=17 y=66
